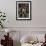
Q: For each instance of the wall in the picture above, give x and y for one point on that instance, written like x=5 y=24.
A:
x=38 y=14
x=17 y=35
x=38 y=22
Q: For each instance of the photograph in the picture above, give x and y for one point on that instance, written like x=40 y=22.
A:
x=23 y=10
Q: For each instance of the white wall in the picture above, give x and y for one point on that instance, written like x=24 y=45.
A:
x=38 y=22
x=17 y=35
x=38 y=14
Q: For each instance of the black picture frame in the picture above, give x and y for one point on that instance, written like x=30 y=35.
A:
x=23 y=10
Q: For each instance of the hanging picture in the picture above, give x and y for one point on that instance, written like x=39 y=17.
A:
x=23 y=10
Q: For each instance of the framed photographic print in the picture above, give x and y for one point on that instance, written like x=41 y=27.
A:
x=23 y=10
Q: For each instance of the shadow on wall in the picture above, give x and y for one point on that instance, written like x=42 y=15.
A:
x=16 y=43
